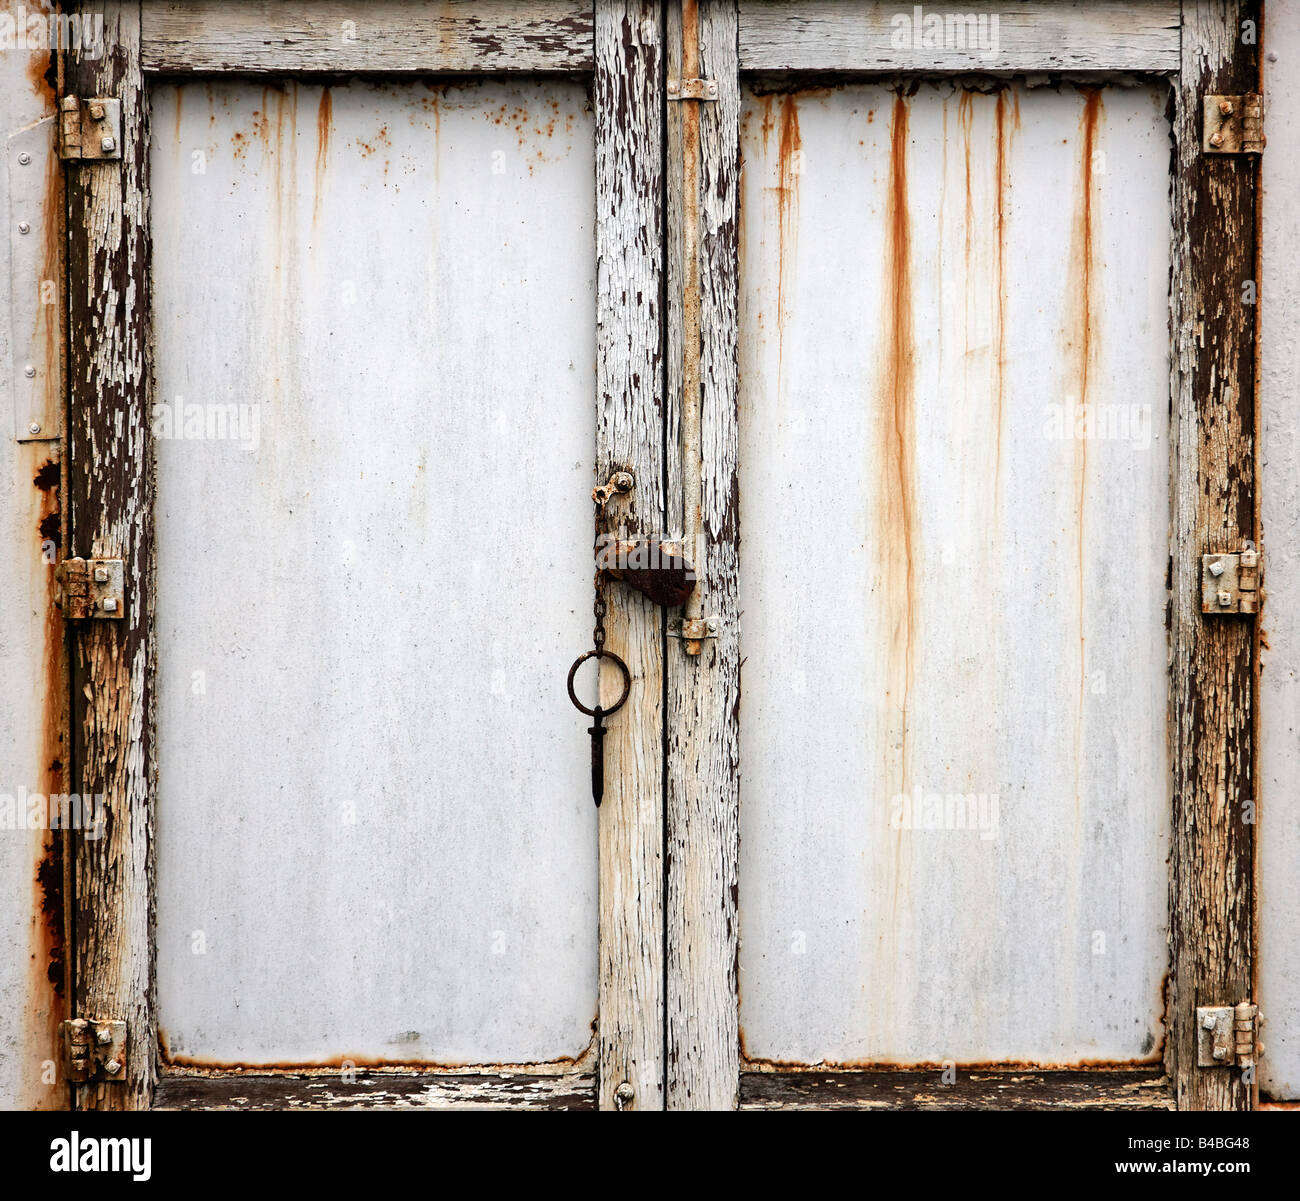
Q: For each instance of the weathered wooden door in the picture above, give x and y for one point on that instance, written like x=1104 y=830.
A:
x=918 y=345
x=960 y=803
x=347 y=328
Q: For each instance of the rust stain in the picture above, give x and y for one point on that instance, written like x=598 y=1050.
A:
x=895 y=514
x=1080 y=359
x=324 y=121
x=787 y=192
x=1001 y=184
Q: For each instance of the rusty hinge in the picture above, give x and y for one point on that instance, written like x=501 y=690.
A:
x=1228 y=1035
x=1233 y=124
x=94 y=1049
x=692 y=89
x=91 y=588
x=90 y=130
x=1230 y=582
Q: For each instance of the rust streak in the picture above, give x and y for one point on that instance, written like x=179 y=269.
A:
x=1001 y=183
x=324 y=122
x=896 y=501
x=787 y=190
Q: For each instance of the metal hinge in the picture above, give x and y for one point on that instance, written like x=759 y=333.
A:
x=1228 y=1035
x=1230 y=582
x=692 y=89
x=91 y=588
x=93 y=1049
x=1233 y=124
x=90 y=130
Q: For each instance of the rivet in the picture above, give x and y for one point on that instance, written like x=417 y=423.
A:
x=29 y=371
x=34 y=428
x=24 y=228
x=24 y=158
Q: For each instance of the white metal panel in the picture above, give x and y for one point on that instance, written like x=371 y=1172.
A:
x=1279 y=734
x=946 y=591
x=376 y=838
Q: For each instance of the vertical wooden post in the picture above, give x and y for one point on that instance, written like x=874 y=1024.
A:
x=1215 y=659
x=111 y=516
x=703 y=695
x=629 y=252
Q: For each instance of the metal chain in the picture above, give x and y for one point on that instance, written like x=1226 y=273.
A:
x=598 y=608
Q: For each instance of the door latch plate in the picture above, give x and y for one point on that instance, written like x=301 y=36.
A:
x=1233 y=124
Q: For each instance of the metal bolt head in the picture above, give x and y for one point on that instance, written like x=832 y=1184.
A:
x=34 y=428
x=107 y=145
x=1216 y=139
x=1225 y=107
x=109 y=604
x=1216 y=568
x=673 y=88
x=112 y=1067
x=24 y=228
x=103 y=1036
x=623 y=1094
x=96 y=111
x=1208 y=1022
x=29 y=371
x=25 y=158
x=1225 y=599
x=1220 y=1053
x=623 y=481
x=101 y=575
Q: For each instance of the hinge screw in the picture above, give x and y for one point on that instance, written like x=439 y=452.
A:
x=1216 y=139
x=1225 y=107
x=109 y=604
x=24 y=158
x=97 y=112
x=1225 y=599
x=24 y=228
x=34 y=428
x=107 y=145
x=1216 y=568
x=1208 y=1022
x=29 y=371
x=1220 y=1053
x=112 y=1067
x=103 y=1037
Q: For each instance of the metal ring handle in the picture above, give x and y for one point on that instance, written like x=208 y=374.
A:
x=627 y=682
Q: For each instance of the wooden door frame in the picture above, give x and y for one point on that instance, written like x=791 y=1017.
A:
x=1196 y=45
x=617 y=44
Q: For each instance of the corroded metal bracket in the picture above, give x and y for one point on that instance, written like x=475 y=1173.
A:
x=90 y=130
x=1227 y=1035
x=1233 y=124
x=94 y=1050
x=92 y=588
x=1230 y=582
x=656 y=569
x=692 y=89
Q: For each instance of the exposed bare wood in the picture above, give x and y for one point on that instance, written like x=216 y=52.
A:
x=377 y=1090
x=1118 y=1090
x=629 y=436
x=1035 y=35
x=1213 y=481
x=704 y=690
x=384 y=35
x=110 y=494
